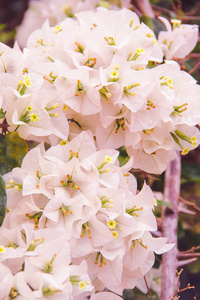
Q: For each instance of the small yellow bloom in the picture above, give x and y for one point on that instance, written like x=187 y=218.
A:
x=34 y=117
x=111 y=224
x=2 y=249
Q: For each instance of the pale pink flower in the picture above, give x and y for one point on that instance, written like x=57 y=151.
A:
x=179 y=39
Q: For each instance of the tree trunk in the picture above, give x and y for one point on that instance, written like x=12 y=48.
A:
x=169 y=226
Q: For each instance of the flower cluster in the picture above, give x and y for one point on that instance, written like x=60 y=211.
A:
x=179 y=39
x=101 y=72
x=75 y=224
x=57 y=11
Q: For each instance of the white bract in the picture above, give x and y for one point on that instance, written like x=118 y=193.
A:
x=56 y=12
x=179 y=39
x=94 y=72
x=74 y=205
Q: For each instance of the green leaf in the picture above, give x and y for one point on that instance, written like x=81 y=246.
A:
x=2 y=26
x=123 y=156
x=12 y=151
x=3 y=200
x=190 y=172
x=164 y=203
x=2 y=114
x=2 y=154
x=147 y=20
x=7 y=36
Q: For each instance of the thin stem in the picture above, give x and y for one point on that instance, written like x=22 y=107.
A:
x=193 y=55
x=161 y=9
x=145 y=7
x=136 y=10
x=188 y=18
x=186 y=255
x=149 y=292
x=181 y=263
x=16 y=128
x=186 y=15
x=188 y=287
x=190 y=204
x=195 y=68
x=178 y=279
x=191 y=250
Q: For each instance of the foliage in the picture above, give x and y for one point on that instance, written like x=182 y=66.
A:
x=12 y=151
x=3 y=200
